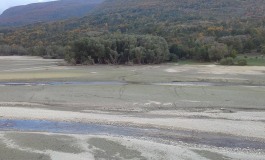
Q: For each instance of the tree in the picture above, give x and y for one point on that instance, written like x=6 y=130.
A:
x=217 y=51
x=200 y=53
x=178 y=51
x=263 y=49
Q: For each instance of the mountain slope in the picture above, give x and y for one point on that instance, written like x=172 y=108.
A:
x=115 y=12
x=180 y=22
x=48 y=11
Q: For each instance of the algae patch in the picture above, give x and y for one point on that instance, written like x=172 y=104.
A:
x=107 y=149
x=45 y=142
x=15 y=154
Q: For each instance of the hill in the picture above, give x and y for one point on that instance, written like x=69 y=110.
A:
x=192 y=28
x=167 y=16
x=48 y=11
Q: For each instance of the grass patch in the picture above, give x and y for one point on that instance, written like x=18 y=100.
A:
x=253 y=60
x=193 y=62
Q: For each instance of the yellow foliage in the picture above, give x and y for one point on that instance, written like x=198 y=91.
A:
x=215 y=28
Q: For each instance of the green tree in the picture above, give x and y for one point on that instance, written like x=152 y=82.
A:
x=263 y=49
x=217 y=51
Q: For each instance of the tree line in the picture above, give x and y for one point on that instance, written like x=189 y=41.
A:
x=119 y=49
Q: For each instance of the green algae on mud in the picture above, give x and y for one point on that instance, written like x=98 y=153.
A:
x=7 y=153
x=211 y=155
x=107 y=149
x=43 y=142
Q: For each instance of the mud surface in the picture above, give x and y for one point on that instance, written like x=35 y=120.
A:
x=170 y=111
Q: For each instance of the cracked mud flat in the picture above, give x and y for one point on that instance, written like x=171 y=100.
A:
x=130 y=112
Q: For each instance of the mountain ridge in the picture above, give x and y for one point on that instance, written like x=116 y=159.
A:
x=46 y=12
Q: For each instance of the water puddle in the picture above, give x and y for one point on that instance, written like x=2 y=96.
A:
x=189 y=137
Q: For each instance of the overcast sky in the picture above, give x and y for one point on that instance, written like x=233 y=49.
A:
x=4 y=4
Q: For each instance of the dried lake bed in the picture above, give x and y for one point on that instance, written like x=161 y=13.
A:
x=49 y=110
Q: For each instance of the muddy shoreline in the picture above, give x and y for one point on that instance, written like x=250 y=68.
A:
x=169 y=111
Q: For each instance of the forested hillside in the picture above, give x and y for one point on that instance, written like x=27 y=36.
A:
x=206 y=30
x=48 y=11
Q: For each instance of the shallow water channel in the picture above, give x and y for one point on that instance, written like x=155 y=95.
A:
x=167 y=136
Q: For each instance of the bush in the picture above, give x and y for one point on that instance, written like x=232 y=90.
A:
x=177 y=52
x=263 y=49
x=173 y=57
x=217 y=51
x=227 y=61
x=233 y=54
x=242 y=62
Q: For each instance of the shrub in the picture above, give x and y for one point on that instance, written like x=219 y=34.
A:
x=173 y=57
x=233 y=54
x=263 y=49
x=227 y=61
x=217 y=51
x=242 y=62
x=177 y=52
